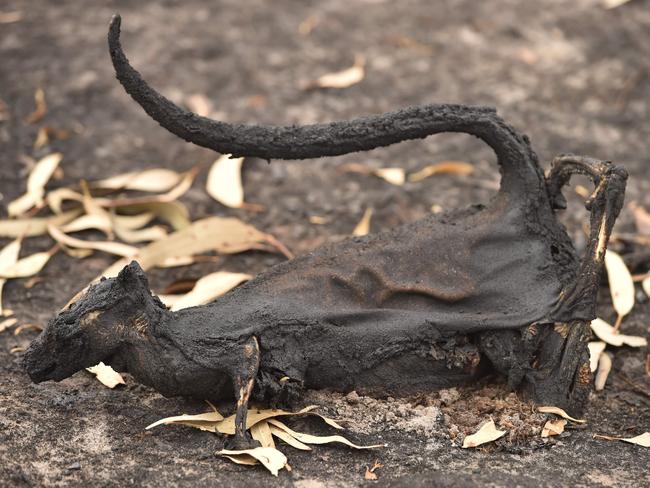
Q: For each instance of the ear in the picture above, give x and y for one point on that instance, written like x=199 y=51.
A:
x=132 y=277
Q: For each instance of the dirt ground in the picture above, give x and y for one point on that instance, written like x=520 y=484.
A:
x=572 y=75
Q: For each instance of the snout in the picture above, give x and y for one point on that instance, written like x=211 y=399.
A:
x=38 y=365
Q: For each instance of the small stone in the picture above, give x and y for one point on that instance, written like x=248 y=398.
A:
x=352 y=397
x=74 y=466
x=390 y=417
x=449 y=396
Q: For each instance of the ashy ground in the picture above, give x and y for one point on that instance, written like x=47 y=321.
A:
x=571 y=74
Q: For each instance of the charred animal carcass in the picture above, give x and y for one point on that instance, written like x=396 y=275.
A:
x=429 y=304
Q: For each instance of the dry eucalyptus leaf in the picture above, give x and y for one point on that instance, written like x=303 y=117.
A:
x=561 y=413
x=595 y=348
x=23 y=327
x=271 y=458
x=88 y=222
x=174 y=213
x=16 y=350
x=610 y=4
x=363 y=227
x=642 y=440
x=8 y=257
x=208 y=288
x=36 y=181
x=394 y=176
x=55 y=198
x=36 y=226
x=203 y=421
x=150 y=180
x=41 y=107
x=604 y=367
x=133 y=222
x=314 y=439
x=621 y=284
x=646 y=285
x=93 y=209
x=132 y=236
x=10 y=17
x=607 y=333
x=224 y=181
x=7 y=323
x=487 y=433
x=27 y=266
x=553 y=427
x=342 y=79
x=445 y=167
x=106 y=375
x=261 y=432
x=288 y=438
x=110 y=247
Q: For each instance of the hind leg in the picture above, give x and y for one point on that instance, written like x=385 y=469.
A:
x=243 y=381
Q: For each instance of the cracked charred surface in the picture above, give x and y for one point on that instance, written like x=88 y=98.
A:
x=427 y=305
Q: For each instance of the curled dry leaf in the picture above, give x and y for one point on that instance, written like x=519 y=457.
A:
x=7 y=323
x=445 y=167
x=608 y=334
x=487 y=433
x=560 y=412
x=288 y=438
x=642 y=440
x=109 y=247
x=41 y=107
x=261 y=432
x=174 y=213
x=150 y=180
x=87 y=222
x=342 y=79
x=595 y=348
x=36 y=181
x=202 y=421
x=23 y=327
x=106 y=375
x=8 y=257
x=314 y=439
x=55 y=198
x=224 y=181
x=395 y=176
x=208 y=288
x=621 y=284
x=610 y=4
x=271 y=458
x=363 y=227
x=604 y=367
x=35 y=226
x=553 y=427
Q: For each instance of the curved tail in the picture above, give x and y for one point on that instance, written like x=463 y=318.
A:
x=518 y=161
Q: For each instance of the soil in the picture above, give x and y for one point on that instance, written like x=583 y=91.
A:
x=572 y=75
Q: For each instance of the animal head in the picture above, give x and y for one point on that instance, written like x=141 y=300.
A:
x=92 y=327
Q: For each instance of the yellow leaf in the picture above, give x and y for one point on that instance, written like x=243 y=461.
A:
x=395 y=176
x=344 y=78
x=86 y=222
x=621 y=284
x=36 y=226
x=109 y=247
x=261 y=432
x=133 y=222
x=604 y=367
x=203 y=421
x=445 y=167
x=208 y=288
x=607 y=333
x=7 y=323
x=174 y=213
x=8 y=257
x=288 y=438
x=224 y=181
x=595 y=348
x=553 y=427
x=55 y=198
x=27 y=266
x=148 y=234
x=36 y=181
x=363 y=227
x=487 y=433
x=106 y=375
x=560 y=412
x=271 y=458
x=313 y=439
x=642 y=440
x=150 y=180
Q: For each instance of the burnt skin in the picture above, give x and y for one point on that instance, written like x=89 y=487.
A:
x=433 y=303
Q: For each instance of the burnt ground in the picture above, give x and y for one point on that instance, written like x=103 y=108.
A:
x=572 y=75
